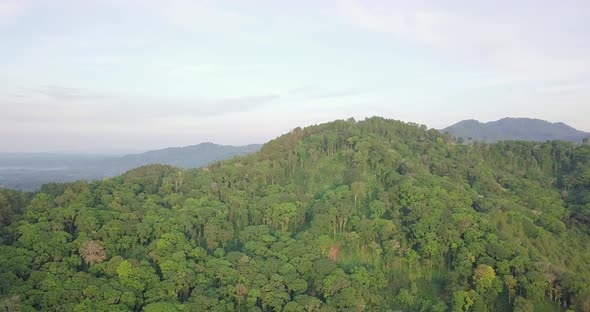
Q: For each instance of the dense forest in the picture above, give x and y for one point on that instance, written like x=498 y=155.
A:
x=28 y=172
x=372 y=215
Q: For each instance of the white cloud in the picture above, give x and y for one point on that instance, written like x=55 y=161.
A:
x=186 y=70
x=75 y=107
x=523 y=47
x=191 y=15
x=12 y=10
x=407 y=24
x=316 y=93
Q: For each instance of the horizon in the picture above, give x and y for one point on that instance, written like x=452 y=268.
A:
x=124 y=152
x=129 y=76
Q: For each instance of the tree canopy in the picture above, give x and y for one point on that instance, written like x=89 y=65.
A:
x=374 y=215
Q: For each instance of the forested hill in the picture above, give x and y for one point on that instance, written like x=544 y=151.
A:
x=526 y=129
x=375 y=215
x=29 y=171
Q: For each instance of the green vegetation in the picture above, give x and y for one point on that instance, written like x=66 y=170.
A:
x=28 y=172
x=376 y=215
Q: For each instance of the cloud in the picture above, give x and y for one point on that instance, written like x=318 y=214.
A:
x=12 y=10
x=407 y=24
x=210 y=69
x=233 y=105
x=79 y=107
x=66 y=94
x=312 y=93
x=190 y=15
x=523 y=45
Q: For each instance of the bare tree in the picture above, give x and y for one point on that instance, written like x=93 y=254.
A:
x=93 y=252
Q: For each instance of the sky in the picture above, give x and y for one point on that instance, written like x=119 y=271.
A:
x=133 y=75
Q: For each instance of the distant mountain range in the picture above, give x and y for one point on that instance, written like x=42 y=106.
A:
x=525 y=129
x=192 y=156
x=30 y=171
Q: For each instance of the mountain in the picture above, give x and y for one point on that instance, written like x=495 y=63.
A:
x=30 y=171
x=193 y=156
x=525 y=129
x=371 y=215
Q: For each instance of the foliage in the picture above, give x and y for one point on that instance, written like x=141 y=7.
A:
x=344 y=216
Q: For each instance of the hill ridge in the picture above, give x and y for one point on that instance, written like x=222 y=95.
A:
x=419 y=223
x=515 y=128
x=29 y=171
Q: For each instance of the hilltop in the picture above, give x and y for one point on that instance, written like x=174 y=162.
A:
x=525 y=129
x=349 y=215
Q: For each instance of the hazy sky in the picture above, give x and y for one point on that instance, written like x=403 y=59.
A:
x=129 y=75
